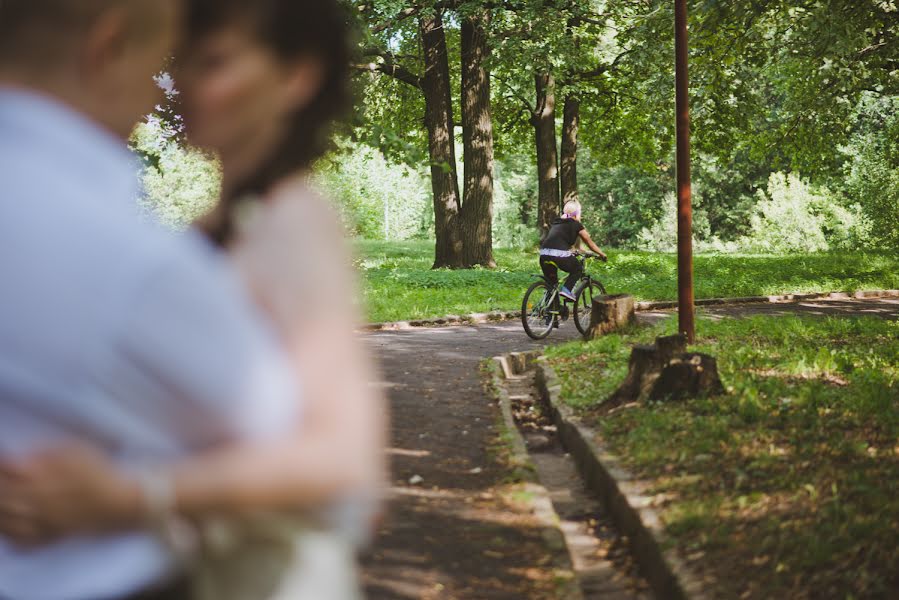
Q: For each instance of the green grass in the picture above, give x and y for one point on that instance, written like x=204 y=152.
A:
x=399 y=284
x=786 y=486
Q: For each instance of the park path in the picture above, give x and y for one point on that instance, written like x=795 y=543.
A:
x=451 y=535
x=450 y=531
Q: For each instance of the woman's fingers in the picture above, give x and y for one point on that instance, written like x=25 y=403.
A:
x=19 y=518
x=27 y=515
x=11 y=472
x=62 y=491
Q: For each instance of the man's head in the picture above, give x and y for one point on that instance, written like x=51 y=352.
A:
x=99 y=56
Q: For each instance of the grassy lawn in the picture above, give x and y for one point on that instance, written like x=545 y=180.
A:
x=399 y=284
x=787 y=486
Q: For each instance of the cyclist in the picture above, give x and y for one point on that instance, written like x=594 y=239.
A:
x=565 y=233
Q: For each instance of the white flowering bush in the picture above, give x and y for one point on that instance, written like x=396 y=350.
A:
x=179 y=183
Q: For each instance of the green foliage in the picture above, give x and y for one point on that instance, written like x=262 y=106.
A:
x=379 y=200
x=399 y=284
x=794 y=217
x=619 y=201
x=786 y=484
x=873 y=170
x=180 y=184
x=515 y=203
x=662 y=235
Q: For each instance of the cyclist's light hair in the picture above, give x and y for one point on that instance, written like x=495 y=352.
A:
x=572 y=209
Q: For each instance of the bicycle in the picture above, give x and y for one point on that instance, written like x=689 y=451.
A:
x=542 y=307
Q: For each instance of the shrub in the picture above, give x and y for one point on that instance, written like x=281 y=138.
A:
x=873 y=183
x=792 y=216
x=787 y=219
x=662 y=235
x=797 y=217
x=180 y=184
x=378 y=199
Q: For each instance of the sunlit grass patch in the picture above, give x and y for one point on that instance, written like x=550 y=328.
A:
x=399 y=284
x=788 y=484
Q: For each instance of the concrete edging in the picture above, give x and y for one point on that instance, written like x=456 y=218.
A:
x=781 y=299
x=508 y=315
x=623 y=494
x=500 y=368
x=470 y=319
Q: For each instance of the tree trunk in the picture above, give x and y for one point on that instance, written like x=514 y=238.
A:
x=571 y=119
x=441 y=149
x=477 y=140
x=544 y=122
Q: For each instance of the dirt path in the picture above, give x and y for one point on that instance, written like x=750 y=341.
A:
x=452 y=534
x=452 y=530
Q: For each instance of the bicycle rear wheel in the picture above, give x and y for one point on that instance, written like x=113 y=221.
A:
x=584 y=305
x=535 y=314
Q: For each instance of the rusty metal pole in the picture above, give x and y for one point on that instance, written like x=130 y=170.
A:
x=685 y=300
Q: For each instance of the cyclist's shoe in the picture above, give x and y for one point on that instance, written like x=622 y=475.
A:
x=566 y=293
x=556 y=324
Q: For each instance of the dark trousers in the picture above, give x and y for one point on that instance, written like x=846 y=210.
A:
x=569 y=264
x=176 y=590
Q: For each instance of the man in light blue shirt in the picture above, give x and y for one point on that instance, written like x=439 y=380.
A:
x=111 y=330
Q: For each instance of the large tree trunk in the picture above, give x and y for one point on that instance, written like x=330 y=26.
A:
x=544 y=122
x=477 y=140
x=439 y=122
x=568 y=161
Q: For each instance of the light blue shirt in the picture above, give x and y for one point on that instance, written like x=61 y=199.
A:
x=115 y=331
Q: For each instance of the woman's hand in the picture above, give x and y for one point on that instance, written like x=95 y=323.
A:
x=64 y=491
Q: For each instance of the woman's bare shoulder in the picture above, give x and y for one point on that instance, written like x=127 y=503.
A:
x=294 y=242
x=295 y=203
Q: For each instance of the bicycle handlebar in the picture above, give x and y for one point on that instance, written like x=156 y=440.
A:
x=591 y=255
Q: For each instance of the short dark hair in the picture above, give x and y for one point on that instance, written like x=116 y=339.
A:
x=290 y=29
x=38 y=31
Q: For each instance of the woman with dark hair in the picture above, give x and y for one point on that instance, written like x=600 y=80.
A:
x=261 y=84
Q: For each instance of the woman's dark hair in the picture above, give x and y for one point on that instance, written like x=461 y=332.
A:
x=291 y=29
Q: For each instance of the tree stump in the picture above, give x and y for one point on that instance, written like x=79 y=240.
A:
x=664 y=370
x=609 y=313
x=687 y=376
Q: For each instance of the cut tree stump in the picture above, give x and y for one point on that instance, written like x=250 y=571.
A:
x=609 y=313
x=665 y=370
x=687 y=376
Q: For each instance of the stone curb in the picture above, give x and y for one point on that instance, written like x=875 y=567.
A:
x=629 y=505
x=782 y=299
x=470 y=319
x=500 y=369
x=508 y=315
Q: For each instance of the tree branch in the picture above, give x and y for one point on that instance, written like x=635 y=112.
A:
x=404 y=14
x=389 y=66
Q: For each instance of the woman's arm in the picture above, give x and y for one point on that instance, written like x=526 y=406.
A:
x=335 y=452
x=585 y=236
x=307 y=284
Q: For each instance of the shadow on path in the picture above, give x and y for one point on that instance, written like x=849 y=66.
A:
x=452 y=531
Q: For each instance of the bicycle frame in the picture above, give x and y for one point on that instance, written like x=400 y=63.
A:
x=586 y=279
x=552 y=306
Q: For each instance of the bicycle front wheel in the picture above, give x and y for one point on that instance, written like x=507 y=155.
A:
x=535 y=314
x=584 y=305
